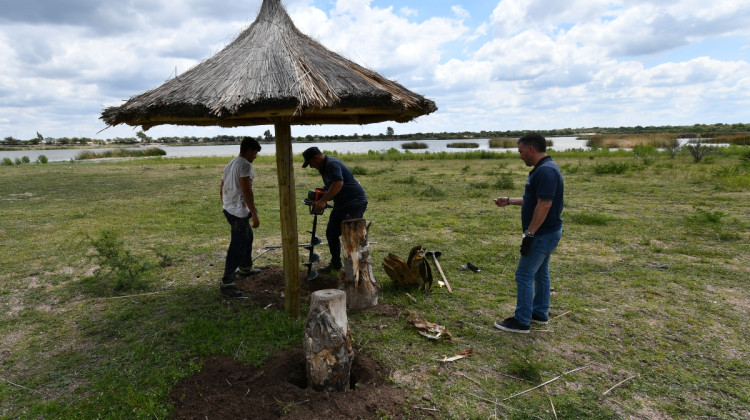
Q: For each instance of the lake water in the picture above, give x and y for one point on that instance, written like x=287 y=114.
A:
x=433 y=146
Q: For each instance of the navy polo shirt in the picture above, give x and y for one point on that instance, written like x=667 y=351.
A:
x=352 y=194
x=546 y=182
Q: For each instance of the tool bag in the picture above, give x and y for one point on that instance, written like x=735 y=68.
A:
x=415 y=272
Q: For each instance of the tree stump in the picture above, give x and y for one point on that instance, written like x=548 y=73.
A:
x=356 y=276
x=327 y=342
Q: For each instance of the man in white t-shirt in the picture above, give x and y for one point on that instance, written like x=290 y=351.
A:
x=236 y=194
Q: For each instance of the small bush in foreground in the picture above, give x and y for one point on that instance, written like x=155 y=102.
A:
x=7 y=162
x=126 y=270
x=42 y=159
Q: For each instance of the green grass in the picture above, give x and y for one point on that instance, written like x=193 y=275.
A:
x=650 y=283
x=119 y=153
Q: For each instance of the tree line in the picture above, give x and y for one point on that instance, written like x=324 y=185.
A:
x=696 y=130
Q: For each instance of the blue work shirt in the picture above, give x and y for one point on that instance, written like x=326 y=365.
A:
x=352 y=194
x=545 y=182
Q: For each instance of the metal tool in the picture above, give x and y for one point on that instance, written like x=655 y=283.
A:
x=312 y=197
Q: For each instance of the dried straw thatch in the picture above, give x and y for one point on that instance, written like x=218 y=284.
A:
x=272 y=72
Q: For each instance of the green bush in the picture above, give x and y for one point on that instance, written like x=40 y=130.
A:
x=414 y=145
x=503 y=142
x=7 y=161
x=151 y=151
x=42 y=159
x=463 y=145
x=118 y=264
x=505 y=182
x=359 y=170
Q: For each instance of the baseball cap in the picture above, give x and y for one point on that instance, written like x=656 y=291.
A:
x=309 y=153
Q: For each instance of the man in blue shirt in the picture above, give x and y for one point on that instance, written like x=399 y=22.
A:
x=349 y=199
x=541 y=207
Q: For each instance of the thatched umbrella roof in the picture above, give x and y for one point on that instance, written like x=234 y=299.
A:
x=274 y=74
x=272 y=71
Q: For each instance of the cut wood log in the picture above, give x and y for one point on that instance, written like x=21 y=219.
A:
x=356 y=276
x=327 y=342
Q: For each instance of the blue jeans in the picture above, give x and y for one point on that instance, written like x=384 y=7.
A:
x=532 y=278
x=333 y=230
x=240 y=249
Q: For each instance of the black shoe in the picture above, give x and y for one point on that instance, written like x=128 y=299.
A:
x=247 y=272
x=512 y=325
x=328 y=269
x=230 y=291
x=537 y=320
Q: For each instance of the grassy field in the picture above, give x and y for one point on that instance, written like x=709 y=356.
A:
x=109 y=275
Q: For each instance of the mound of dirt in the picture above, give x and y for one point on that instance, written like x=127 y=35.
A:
x=227 y=389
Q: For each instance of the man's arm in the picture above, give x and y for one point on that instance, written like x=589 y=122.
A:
x=334 y=189
x=246 y=184
x=540 y=213
x=221 y=191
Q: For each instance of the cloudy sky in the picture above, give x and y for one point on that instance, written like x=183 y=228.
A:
x=488 y=64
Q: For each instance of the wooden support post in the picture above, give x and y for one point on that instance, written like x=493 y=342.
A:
x=356 y=276
x=287 y=201
x=327 y=342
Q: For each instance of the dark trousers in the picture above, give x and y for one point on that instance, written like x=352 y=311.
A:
x=240 y=249
x=333 y=230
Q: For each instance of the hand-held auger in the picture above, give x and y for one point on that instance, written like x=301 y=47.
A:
x=312 y=197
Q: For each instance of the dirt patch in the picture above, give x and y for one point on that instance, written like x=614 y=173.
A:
x=266 y=289
x=227 y=389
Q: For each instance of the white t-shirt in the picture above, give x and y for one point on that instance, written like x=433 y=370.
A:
x=231 y=194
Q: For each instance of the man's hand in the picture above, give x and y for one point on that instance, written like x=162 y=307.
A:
x=256 y=222
x=320 y=205
x=528 y=239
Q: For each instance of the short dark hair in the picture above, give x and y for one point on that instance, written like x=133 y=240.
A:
x=534 y=139
x=249 y=143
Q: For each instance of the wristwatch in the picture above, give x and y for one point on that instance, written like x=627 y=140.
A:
x=527 y=234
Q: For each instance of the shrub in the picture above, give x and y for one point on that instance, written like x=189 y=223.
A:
x=42 y=159
x=7 y=161
x=118 y=263
x=463 y=145
x=414 y=145
x=505 y=182
x=151 y=151
x=503 y=142
x=699 y=150
x=359 y=170
x=25 y=159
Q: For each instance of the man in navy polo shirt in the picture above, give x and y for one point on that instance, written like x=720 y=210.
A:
x=541 y=207
x=349 y=199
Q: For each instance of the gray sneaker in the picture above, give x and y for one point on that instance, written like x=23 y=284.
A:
x=537 y=320
x=247 y=272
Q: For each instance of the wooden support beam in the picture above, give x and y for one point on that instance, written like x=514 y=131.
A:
x=288 y=217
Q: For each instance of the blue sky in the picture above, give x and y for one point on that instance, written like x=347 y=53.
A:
x=489 y=65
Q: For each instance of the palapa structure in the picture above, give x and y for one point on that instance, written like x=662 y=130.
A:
x=274 y=74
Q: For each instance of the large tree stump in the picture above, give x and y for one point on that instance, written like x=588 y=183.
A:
x=356 y=276
x=327 y=342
